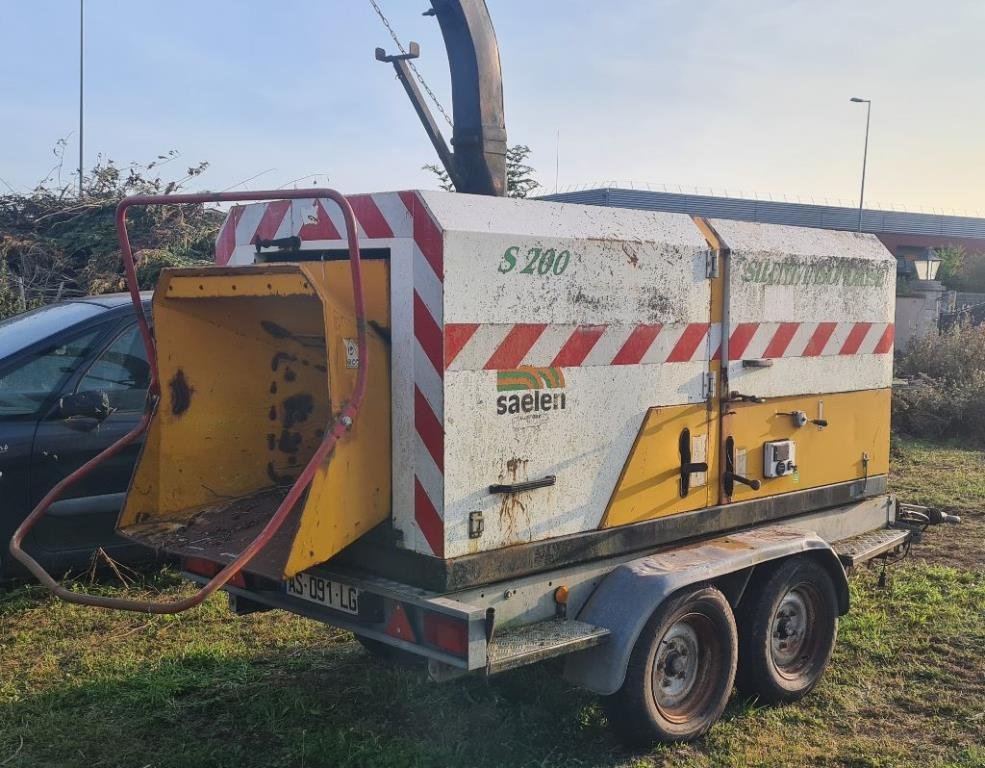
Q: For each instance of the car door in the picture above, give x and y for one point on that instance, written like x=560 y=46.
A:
x=29 y=385
x=85 y=517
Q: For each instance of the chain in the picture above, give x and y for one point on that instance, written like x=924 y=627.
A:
x=410 y=62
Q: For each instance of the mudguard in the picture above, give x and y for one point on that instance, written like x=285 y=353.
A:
x=630 y=594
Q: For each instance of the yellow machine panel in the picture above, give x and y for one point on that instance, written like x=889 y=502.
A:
x=857 y=427
x=649 y=485
x=855 y=443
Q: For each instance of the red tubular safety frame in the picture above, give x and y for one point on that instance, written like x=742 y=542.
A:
x=342 y=423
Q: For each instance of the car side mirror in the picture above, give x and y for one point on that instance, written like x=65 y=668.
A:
x=93 y=405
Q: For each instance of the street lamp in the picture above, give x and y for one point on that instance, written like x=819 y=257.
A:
x=81 y=87
x=926 y=268
x=865 y=153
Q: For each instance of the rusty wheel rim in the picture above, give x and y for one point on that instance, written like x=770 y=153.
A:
x=793 y=631
x=683 y=675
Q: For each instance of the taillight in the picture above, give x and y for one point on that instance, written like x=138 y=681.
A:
x=200 y=566
x=399 y=625
x=447 y=633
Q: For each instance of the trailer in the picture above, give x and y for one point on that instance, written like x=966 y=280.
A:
x=481 y=432
x=647 y=442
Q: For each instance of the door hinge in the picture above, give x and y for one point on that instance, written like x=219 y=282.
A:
x=708 y=390
x=711 y=263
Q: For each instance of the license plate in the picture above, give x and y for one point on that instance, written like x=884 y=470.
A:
x=331 y=594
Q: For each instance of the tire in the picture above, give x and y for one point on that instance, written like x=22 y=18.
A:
x=680 y=672
x=397 y=657
x=787 y=630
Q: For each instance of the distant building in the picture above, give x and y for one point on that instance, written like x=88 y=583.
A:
x=908 y=236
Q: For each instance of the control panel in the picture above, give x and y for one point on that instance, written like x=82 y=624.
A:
x=779 y=458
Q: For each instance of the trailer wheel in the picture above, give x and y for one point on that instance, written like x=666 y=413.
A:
x=680 y=672
x=787 y=632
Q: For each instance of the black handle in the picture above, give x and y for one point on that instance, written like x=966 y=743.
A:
x=737 y=397
x=527 y=485
x=729 y=478
x=820 y=422
x=688 y=467
x=292 y=243
x=734 y=478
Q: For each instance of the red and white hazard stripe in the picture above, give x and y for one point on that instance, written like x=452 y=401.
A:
x=475 y=346
x=827 y=339
x=429 y=450
x=378 y=217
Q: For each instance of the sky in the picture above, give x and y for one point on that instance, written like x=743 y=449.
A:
x=745 y=98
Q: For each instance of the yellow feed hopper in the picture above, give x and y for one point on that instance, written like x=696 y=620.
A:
x=255 y=363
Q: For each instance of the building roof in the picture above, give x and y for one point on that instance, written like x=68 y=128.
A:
x=921 y=228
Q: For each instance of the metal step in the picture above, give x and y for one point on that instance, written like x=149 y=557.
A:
x=858 y=549
x=543 y=640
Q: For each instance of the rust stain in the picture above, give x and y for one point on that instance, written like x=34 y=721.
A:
x=631 y=256
x=280 y=332
x=277 y=478
x=382 y=331
x=511 y=507
x=513 y=466
x=297 y=408
x=290 y=442
x=275 y=330
x=279 y=357
x=181 y=393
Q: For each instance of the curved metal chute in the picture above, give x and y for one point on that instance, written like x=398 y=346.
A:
x=476 y=164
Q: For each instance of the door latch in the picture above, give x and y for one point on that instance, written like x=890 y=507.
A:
x=730 y=478
x=688 y=467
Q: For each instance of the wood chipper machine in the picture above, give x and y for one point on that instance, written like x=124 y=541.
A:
x=481 y=432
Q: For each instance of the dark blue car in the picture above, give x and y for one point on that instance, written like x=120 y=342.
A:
x=73 y=379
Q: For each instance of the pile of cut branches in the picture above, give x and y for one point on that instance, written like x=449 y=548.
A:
x=56 y=243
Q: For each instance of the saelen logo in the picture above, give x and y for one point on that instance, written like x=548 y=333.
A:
x=531 y=381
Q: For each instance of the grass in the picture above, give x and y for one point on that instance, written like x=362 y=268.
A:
x=939 y=475
x=83 y=687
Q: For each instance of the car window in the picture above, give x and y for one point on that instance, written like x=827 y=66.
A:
x=25 y=388
x=121 y=371
x=21 y=331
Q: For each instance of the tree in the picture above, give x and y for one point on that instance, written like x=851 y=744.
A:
x=520 y=181
x=960 y=270
x=952 y=263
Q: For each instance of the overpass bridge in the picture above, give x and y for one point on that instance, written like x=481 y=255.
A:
x=907 y=235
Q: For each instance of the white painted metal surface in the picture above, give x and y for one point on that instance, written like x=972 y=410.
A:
x=530 y=338
x=625 y=269
x=824 y=301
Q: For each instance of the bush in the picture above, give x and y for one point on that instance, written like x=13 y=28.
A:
x=960 y=270
x=945 y=394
